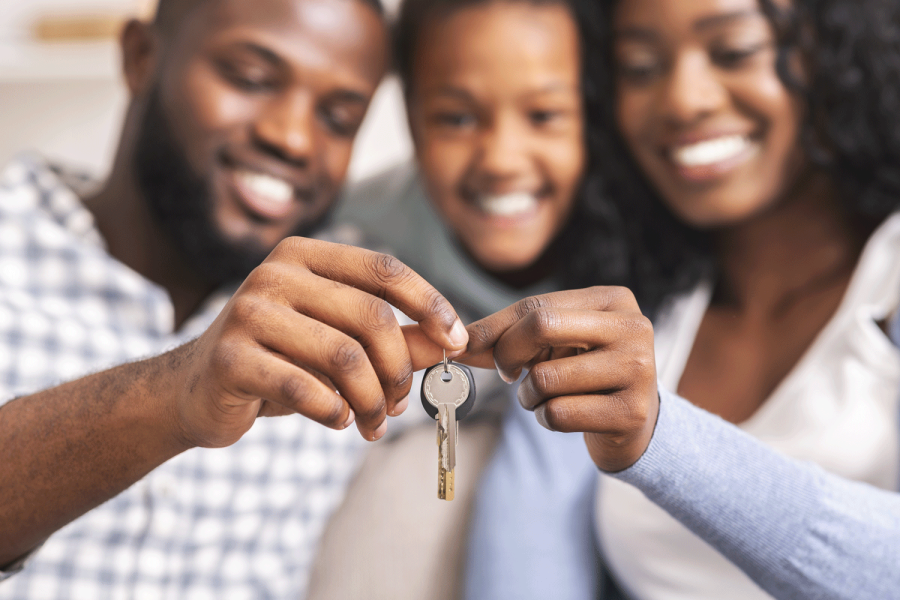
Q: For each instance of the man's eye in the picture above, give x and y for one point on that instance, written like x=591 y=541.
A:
x=341 y=121
x=247 y=79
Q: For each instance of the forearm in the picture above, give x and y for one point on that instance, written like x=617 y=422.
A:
x=70 y=448
x=798 y=531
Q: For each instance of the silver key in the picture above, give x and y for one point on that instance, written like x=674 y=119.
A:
x=447 y=387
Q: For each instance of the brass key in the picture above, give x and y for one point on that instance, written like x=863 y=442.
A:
x=448 y=394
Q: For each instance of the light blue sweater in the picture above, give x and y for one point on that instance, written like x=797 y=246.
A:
x=796 y=530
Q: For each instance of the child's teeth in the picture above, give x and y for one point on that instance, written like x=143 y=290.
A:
x=508 y=205
x=266 y=186
x=710 y=152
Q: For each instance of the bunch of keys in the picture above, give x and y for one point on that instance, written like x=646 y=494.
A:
x=448 y=394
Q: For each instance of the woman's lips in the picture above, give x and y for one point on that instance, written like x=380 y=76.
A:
x=265 y=195
x=711 y=158
x=509 y=206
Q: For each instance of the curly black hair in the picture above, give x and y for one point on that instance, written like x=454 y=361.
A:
x=623 y=233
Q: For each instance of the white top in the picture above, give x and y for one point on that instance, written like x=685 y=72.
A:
x=838 y=407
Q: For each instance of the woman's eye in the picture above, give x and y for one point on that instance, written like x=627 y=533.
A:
x=638 y=73
x=734 y=57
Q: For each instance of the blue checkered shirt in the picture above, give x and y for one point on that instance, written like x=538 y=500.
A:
x=238 y=522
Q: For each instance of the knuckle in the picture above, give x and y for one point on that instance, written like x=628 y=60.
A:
x=347 y=357
x=376 y=314
x=542 y=321
x=291 y=389
x=435 y=304
x=335 y=416
x=376 y=412
x=544 y=380
x=480 y=334
x=402 y=377
x=632 y=415
x=288 y=247
x=558 y=415
x=527 y=305
x=387 y=268
x=637 y=326
x=266 y=276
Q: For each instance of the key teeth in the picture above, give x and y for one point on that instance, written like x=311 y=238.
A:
x=445 y=484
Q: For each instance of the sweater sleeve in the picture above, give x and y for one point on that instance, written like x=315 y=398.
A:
x=796 y=530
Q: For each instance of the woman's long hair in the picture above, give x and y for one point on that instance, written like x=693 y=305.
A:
x=622 y=232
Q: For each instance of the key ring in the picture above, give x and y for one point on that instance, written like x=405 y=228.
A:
x=445 y=362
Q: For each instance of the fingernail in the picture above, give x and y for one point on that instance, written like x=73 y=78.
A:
x=382 y=429
x=400 y=407
x=506 y=378
x=458 y=335
x=350 y=418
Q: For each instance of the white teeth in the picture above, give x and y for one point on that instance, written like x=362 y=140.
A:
x=709 y=152
x=270 y=188
x=508 y=205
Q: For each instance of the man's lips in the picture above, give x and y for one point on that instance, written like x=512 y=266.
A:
x=264 y=194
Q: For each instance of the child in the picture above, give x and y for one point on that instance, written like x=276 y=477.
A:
x=489 y=214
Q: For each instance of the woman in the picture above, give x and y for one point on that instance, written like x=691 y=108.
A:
x=752 y=158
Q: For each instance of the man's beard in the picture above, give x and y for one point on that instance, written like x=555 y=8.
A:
x=180 y=201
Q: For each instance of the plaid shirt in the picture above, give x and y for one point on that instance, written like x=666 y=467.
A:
x=238 y=522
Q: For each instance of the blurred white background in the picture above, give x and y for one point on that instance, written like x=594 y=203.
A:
x=64 y=99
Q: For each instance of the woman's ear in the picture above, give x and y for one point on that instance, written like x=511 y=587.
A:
x=140 y=51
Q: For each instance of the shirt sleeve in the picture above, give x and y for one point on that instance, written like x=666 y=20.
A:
x=15 y=567
x=796 y=530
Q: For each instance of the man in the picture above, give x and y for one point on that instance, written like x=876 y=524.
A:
x=237 y=135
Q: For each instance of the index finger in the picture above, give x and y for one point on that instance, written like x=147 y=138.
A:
x=386 y=277
x=484 y=334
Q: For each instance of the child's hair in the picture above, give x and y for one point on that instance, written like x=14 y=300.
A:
x=589 y=219
x=851 y=51
x=414 y=15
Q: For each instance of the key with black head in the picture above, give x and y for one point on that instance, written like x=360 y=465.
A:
x=448 y=394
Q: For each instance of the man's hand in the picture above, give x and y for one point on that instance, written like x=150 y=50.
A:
x=591 y=366
x=311 y=331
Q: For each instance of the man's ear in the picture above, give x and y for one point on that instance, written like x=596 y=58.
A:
x=140 y=51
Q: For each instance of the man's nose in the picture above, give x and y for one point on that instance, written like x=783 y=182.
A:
x=692 y=89
x=287 y=126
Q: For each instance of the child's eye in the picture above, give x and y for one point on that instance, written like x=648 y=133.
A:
x=638 y=73
x=454 y=120
x=543 y=117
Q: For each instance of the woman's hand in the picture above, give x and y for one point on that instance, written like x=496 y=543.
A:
x=591 y=366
